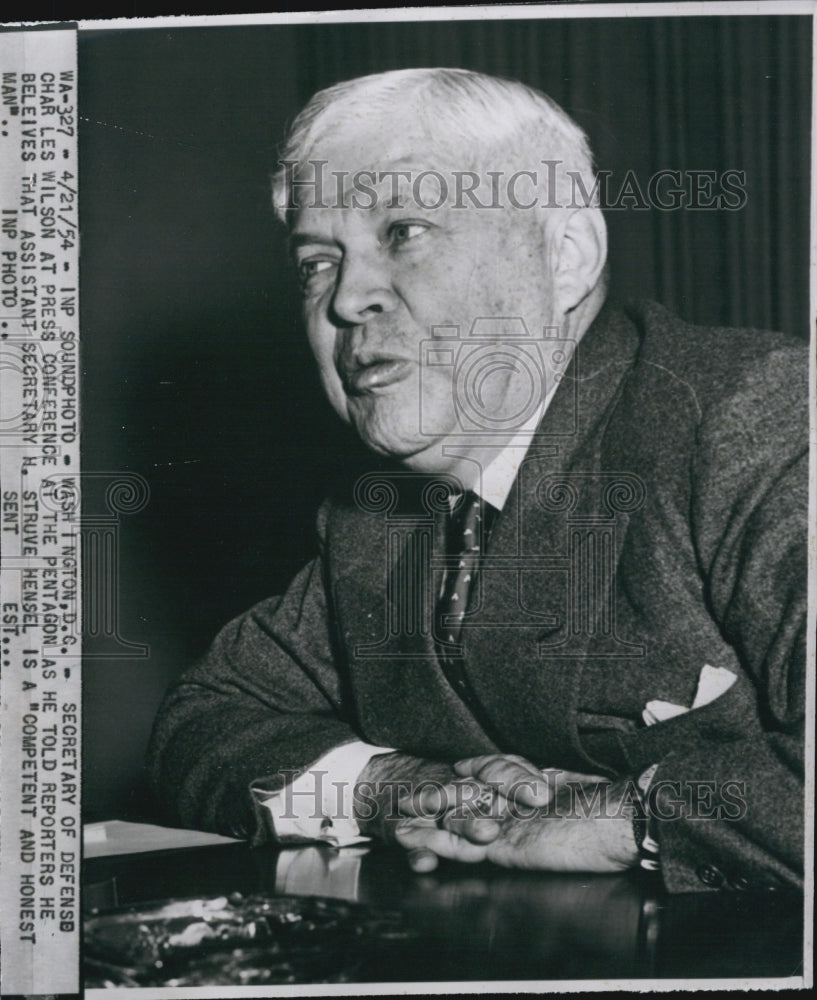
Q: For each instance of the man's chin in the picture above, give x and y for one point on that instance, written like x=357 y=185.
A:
x=400 y=450
x=415 y=451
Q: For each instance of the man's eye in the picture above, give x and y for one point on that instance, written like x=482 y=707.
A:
x=309 y=268
x=402 y=232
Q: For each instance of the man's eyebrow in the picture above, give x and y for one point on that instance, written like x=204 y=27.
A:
x=303 y=239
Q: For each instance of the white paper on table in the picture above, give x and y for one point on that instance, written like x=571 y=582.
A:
x=101 y=840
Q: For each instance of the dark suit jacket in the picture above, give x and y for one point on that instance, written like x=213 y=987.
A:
x=657 y=524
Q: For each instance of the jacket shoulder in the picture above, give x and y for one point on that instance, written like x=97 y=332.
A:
x=714 y=363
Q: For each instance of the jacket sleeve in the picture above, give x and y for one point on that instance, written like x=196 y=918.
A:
x=264 y=703
x=729 y=812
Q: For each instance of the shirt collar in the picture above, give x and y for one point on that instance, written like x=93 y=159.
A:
x=498 y=476
x=496 y=479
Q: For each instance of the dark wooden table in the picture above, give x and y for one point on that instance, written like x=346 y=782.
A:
x=480 y=923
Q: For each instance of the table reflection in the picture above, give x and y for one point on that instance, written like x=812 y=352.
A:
x=319 y=871
x=484 y=923
x=485 y=920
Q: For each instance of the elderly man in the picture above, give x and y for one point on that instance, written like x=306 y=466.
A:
x=566 y=630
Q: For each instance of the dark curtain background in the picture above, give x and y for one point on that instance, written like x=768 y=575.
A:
x=196 y=376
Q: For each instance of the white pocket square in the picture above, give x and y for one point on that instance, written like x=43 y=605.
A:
x=713 y=682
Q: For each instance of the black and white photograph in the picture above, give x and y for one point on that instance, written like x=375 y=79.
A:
x=425 y=397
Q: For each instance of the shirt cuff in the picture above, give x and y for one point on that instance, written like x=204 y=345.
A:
x=647 y=844
x=319 y=805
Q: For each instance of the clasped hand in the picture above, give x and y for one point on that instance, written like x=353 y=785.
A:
x=499 y=808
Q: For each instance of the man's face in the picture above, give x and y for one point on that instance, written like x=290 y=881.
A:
x=377 y=279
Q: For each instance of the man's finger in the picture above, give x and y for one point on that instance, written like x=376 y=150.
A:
x=434 y=799
x=471 y=764
x=513 y=777
x=561 y=777
x=422 y=861
x=477 y=829
x=415 y=837
x=519 y=780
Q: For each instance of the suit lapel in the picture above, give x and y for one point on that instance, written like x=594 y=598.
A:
x=526 y=641
x=384 y=591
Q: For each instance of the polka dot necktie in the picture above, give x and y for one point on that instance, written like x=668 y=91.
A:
x=468 y=530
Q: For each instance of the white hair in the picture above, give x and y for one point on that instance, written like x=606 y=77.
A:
x=486 y=119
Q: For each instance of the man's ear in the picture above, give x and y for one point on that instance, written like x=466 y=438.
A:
x=579 y=253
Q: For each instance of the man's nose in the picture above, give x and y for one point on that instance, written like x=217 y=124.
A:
x=363 y=289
